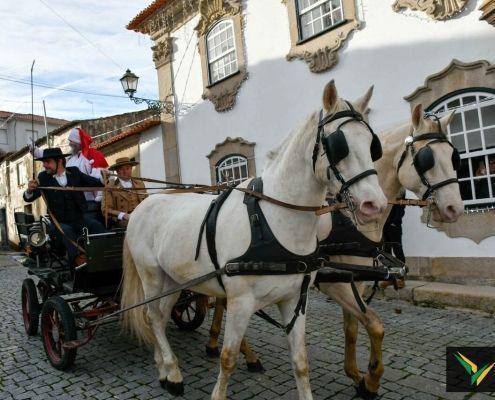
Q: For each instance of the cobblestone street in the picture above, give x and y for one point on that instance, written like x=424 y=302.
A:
x=114 y=366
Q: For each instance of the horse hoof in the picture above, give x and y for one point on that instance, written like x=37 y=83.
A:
x=212 y=352
x=175 y=389
x=365 y=393
x=255 y=366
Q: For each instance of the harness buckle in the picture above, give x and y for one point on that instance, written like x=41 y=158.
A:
x=302 y=267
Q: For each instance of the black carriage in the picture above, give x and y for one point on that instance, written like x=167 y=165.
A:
x=68 y=303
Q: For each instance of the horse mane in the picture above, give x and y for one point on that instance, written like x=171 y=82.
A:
x=296 y=134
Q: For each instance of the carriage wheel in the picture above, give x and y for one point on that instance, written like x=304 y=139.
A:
x=190 y=311
x=30 y=307
x=57 y=327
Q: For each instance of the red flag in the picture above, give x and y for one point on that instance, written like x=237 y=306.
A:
x=96 y=157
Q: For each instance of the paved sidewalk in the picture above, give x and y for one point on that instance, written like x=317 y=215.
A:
x=114 y=366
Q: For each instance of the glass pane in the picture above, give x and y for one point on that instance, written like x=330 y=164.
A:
x=456 y=124
x=468 y=100
x=458 y=142
x=454 y=103
x=491 y=162
x=237 y=173
x=337 y=16
x=474 y=140
x=472 y=120
x=489 y=138
x=481 y=188
x=463 y=171
x=479 y=166
x=465 y=187
x=488 y=115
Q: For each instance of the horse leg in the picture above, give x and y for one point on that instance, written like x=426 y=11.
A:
x=239 y=312
x=297 y=347
x=342 y=293
x=350 y=360
x=252 y=361
x=159 y=315
x=216 y=326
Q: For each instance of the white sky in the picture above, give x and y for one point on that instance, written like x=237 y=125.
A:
x=30 y=30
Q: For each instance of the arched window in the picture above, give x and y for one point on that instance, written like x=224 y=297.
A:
x=222 y=56
x=232 y=170
x=472 y=132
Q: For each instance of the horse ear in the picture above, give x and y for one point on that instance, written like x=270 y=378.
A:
x=417 y=116
x=362 y=103
x=446 y=120
x=330 y=96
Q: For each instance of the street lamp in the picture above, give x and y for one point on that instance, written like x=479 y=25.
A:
x=129 y=83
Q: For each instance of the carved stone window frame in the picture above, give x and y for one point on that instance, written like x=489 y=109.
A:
x=435 y=9
x=230 y=147
x=458 y=76
x=222 y=93
x=320 y=52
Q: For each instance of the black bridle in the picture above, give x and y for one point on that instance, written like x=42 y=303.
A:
x=336 y=148
x=424 y=160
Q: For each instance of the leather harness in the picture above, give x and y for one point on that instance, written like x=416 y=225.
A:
x=264 y=256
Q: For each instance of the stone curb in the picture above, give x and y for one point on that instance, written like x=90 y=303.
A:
x=438 y=294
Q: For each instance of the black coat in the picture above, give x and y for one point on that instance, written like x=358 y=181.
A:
x=67 y=206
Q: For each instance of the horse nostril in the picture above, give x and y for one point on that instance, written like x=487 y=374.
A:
x=451 y=212
x=369 y=208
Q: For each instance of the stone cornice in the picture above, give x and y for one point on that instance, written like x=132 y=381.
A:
x=237 y=140
x=488 y=10
x=435 y=9
x=454 y=65
x=214 y=10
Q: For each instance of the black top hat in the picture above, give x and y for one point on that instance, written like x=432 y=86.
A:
x=54 y=152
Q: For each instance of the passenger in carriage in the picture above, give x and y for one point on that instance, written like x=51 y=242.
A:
x=67 y=207
x=118 y=205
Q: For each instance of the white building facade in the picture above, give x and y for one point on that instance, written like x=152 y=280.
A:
x=16 y=130
x=243 y=74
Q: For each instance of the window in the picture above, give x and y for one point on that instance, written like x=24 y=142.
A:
x=222 y=56
x=29 y=134
x=21 y=174
x=315 y=16
x=232 y=170
x=472 y=132
x=3 y=136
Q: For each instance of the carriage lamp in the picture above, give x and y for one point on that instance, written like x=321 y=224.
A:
x=37 y=237
x=129 y=83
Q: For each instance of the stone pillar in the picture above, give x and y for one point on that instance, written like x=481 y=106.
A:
x=163 y=56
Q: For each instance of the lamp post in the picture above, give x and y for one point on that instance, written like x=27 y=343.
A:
x=129 y=83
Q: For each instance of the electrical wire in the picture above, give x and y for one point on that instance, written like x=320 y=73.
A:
x=47 y=86
x=81 y=34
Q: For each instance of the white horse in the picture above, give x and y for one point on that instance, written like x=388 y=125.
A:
x=159 y=249
x=447 y=208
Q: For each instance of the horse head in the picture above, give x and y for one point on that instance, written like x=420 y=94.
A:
x=344 y=153
x=428 y=165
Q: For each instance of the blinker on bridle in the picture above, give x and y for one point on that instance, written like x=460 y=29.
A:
x=424 y=159
x=336 y=147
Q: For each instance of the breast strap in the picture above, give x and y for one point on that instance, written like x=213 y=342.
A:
x=265 y=255
x=264 y=246
x=345 y=239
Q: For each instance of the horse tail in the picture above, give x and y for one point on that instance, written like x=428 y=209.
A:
x=135 y=320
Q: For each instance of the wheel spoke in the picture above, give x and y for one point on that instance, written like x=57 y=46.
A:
x=188 y=315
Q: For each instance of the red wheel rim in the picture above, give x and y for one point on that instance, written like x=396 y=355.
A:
x=26 y=312
x=53 y=335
